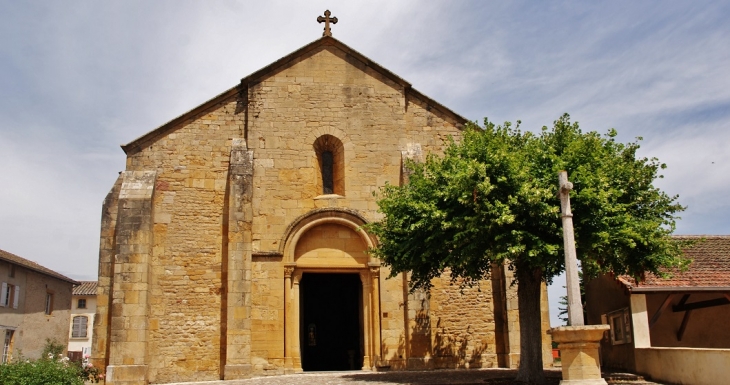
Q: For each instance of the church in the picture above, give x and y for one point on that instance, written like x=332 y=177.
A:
x=232 y=245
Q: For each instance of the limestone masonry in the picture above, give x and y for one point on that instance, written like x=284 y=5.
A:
x=232 y=244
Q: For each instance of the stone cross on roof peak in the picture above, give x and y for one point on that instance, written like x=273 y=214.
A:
x=327 y=20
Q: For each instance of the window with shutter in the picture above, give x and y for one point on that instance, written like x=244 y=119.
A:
x=620 y=323
x=78 y=329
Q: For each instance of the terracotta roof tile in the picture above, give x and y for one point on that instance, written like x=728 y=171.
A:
x=710 y=266
x=28 y=264
x=86 y=288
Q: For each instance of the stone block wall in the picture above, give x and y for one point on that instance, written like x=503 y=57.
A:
x=234 y=174
x=329 y=93
x=185 y=286
x=463 y=324
x=267 y=316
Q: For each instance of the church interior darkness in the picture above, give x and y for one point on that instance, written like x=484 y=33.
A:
x=331 y=327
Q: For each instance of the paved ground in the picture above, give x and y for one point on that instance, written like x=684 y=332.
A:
x=433 y=377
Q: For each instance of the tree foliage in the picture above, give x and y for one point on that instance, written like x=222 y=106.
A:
x=492 y=198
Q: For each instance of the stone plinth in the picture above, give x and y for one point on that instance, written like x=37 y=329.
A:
x=126 y=375
x=579 y=353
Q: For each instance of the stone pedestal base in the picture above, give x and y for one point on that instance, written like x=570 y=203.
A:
x=236 y=372
x=126 y=375
x=579 y=353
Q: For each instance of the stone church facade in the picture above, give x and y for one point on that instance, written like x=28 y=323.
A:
x=232 y=244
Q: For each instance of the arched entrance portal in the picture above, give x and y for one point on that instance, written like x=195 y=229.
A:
x=332 y=298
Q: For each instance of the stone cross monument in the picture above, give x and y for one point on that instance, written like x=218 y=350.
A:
x=578 y=344
x=575 y=307
x=327 y=20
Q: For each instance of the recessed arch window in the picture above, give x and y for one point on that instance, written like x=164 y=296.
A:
x=331 y=165
x=79 y=327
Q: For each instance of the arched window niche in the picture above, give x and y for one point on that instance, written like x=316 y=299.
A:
x=330 y=165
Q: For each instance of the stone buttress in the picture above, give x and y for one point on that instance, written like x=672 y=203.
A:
x=237 y=273
x=128 y=279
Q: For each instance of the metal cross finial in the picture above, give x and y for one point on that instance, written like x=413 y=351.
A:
x=327 y=20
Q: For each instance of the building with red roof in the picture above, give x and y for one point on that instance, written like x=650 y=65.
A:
x=671 y=328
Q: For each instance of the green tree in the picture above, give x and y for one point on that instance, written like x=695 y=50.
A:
x=492 y=198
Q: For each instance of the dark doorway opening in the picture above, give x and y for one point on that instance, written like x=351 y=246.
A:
x=330 y=325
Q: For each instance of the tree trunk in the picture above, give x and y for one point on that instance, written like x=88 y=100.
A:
x=528 y=298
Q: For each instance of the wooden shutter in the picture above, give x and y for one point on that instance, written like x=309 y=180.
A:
x=16 y=297
x=4 y=294
x=79 y=327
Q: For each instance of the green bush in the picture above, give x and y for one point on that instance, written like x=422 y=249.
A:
x=40 y=372
x=52 y=349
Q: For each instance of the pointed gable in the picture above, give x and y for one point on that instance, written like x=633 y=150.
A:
x=326 y=43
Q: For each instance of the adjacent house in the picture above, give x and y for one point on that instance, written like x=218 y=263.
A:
x=83 y=307
x=35 y=305
x=672 y=329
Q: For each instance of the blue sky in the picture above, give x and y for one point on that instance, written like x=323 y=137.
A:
x=79 y=78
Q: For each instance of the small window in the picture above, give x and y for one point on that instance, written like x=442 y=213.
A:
x=328 y=182
x=49 y=303
x=7 y=343
x=78 y=329
x=620 y=323
x=11 y=273
x=82 y=303
x=330 y=153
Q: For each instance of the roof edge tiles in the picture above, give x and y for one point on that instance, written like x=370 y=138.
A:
x=709 y=270
x=86 y=288
x=30 y=265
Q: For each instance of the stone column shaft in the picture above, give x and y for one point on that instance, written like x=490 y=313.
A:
x=367 y=364
x=296 y=349
x=375 y=298
x=289 y=322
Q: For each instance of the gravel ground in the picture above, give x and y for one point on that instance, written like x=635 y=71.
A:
x=433 y=377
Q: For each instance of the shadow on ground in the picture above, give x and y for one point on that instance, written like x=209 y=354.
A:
x=450 y=377
x=472 y=377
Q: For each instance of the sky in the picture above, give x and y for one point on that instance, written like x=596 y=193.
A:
x=79 y=78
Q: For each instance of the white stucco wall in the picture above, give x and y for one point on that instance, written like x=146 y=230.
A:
x=78 y=344
x=686 y=366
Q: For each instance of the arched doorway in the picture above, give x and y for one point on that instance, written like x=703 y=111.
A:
x=330 y=328
x=332 y=299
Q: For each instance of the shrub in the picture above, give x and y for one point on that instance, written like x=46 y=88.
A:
x=89 y=372
x=52 y=349
x=40 y=372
